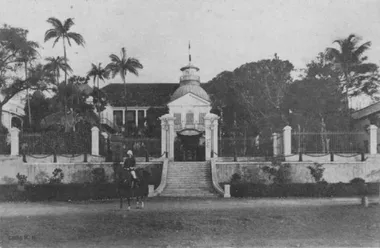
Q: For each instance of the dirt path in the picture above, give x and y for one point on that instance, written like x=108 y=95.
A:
x=157 y=204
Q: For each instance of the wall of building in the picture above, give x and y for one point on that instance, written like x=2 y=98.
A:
x=15 y=107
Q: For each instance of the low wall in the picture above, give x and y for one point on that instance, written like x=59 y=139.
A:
x=77 y=172
x=299 y=173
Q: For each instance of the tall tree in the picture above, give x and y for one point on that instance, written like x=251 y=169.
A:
x=28 y=53
x=356 y=74
x=55 y=65
x=62 y=31
x=123 y=64
x=98 y=73
x=15 y=48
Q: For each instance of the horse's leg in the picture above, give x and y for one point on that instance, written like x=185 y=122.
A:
x=121 y=200
x=137 y=201
x=142 y=202
x=129 y=202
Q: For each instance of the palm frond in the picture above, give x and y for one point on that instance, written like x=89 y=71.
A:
x=57 y=24
x=114 y=58
x=333 y=54
x=76 y=37
x=361 y=49
x=68 y=24
x=51 y=33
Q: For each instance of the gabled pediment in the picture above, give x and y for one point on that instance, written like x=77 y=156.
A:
x=189 y=100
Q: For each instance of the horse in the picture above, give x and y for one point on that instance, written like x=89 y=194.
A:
x=126 y=188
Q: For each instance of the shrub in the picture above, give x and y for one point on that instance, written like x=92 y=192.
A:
x=57 y=176
x=317 y=171
x=357 y=180
x=278 y=172
x=359 y=185
x=42 y=178
x=22 y=179
x=99 y=175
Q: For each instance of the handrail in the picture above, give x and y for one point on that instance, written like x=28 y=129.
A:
x=214 y=177
x=164 y=175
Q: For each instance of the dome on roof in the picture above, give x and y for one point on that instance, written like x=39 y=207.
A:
x=195 y=89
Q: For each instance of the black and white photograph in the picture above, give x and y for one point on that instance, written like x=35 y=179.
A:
x=189 y=123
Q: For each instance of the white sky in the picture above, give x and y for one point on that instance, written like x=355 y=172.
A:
x=223 y=34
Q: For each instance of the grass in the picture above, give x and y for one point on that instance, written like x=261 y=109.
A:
x=190 y=223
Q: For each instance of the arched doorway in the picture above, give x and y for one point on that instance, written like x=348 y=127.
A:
x=189 y=145
x=16 y=122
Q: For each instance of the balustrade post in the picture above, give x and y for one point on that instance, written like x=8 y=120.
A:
x=15 y=141
x=275 y=145
x=287 y=140
x=372 y=139
x=95 y=141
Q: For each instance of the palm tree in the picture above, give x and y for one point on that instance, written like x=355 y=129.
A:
x=61 y=31
x=28 y=53
x=350 y=61
x=97 y=72
x=123 y=65
x=55 y=65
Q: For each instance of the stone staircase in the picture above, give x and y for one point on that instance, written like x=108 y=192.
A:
x=189 y=179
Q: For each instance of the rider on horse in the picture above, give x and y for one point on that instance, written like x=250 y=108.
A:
x=130 y=165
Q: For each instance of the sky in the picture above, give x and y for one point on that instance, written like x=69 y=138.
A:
x=223 y=34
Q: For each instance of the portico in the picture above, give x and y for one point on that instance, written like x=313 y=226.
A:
x=189 y=131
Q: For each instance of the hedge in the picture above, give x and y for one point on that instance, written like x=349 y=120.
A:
x=304 y=190
x=59 y=192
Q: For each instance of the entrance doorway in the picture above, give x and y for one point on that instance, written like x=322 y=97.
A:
x=189 y=146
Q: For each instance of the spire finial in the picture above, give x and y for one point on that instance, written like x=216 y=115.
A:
x=189 y=53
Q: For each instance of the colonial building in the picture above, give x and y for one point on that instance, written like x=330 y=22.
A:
x=13 y=112
x=183 y=127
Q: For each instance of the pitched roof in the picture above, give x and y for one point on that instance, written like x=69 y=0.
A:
x=141 y=94
x=364 y=112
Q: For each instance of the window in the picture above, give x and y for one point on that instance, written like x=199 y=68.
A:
x=118 y=117
x=130 y=118
x=177 y=120
x=189 y=118
x=202 y=118
x=141 y=118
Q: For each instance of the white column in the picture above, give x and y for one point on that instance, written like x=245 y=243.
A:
x=227 y=193
x=15 y=141
x=136 y=118
x=150 y=190
x=215 y=138
x=372 y=139
x=95 y=141
x=123 y=116
x=287 y=140
x=208 y=138
x=164 y=129
x=275 y=145
x=171 y=137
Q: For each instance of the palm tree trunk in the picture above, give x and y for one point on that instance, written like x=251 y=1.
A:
x=64 y=97
x=98 y=104
x=27 y=94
